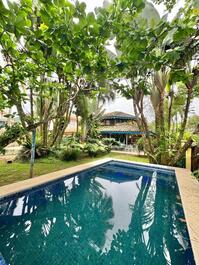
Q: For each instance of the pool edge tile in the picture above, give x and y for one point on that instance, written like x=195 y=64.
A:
x=49 y=177
x=189 y=193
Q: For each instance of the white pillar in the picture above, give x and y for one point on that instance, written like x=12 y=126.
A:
x=126 y=139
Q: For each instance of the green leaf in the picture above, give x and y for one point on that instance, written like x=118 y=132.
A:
x=68 y=68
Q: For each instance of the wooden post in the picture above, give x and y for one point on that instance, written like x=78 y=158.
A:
x=188 y=158
x=126 y=139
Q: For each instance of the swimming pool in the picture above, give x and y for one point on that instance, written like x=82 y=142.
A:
x=116 y=213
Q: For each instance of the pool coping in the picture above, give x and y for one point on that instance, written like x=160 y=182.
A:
x=187 y=183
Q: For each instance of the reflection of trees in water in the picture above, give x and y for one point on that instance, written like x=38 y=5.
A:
x=65 y=227
x=124 y=247
x=152 y=235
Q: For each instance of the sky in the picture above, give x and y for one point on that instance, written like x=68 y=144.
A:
x=122 y=104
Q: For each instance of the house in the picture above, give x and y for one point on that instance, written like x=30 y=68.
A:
x=2 y=120
x=5 y=119
x=120 y=126
x=72 y=126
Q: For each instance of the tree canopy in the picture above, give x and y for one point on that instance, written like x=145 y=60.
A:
x=158 y=59
x=54 y=54
x=51 y=52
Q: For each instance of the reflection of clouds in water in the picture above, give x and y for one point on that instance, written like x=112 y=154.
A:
x=70 y=182
x=123 y=195
x=149 y=208
x=113 y=213
x=19 y=206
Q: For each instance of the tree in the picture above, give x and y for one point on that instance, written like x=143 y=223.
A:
x=54 y=53
x=90 y=112
x=158 y=60
x=193 y=121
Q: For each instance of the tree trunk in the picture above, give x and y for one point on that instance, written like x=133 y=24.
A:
x=170 y=110
x=143 y=126
x=45 y=134
x=181 y=152
x=67 y=120
x=184 y=122
x=32 y=160
x=77 y=124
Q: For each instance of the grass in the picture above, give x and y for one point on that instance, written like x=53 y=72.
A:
x=17 y=171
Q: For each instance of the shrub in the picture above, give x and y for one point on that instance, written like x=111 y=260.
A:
x=94 y=150
x=69 y=154
x=72 y=142
x=40 y=151
x=196 y=174
x=71 y=148
x=11 y=134
x=140 y=144
x=93 y=140
x=67 y=140
x=110 y=142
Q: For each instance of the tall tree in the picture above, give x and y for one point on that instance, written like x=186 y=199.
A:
x=158 y=58
x=56 y=49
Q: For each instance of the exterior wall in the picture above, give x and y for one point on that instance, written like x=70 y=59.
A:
x=111 y=122
x=2 y=119
x=72 y=126
x=5 y=120
x=125 y=138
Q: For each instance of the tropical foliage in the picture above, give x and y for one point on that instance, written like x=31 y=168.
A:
x=56 y=61
x=52 y=53
x=158 y=60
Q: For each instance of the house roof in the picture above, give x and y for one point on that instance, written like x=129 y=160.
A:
x=122 y=128
x=118 y=115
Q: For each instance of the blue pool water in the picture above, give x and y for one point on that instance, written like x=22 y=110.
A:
x=114 y=214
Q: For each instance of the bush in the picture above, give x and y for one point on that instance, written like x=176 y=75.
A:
x=11 y=134
x=93 y=141
x=67 y=140
x=110 y=142
x=71 y=148
x=94 y=150
x=40 y=151
x=72 y=142
x=140 y=144
x=69 y=154
x=196 y=174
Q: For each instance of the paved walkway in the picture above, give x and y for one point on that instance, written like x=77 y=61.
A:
x=129 y=153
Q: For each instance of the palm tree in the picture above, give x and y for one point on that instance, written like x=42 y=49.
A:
x=90 y=111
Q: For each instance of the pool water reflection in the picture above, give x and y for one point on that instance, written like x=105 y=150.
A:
x=114 y=214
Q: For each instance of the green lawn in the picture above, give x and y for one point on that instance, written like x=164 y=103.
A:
x=17 y=171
